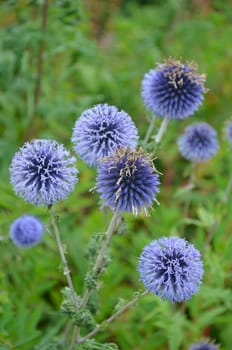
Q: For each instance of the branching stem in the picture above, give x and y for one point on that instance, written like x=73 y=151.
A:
x=101 y=255
x=111 y=318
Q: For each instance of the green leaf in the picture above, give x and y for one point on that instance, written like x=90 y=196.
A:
x=206 y=217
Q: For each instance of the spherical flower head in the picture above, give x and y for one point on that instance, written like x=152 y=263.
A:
x=204 y=345
x=173 y=89
x=26 y=231
x=229 y=132
x=128 y=181
x=100 y=130
x=198 y=143
x=171 y=268
x=43 y=172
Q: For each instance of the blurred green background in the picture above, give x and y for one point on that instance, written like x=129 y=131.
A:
x=58 y=58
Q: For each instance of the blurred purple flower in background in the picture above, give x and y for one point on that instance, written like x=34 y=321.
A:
x=198 y=143
x=128 y=181
x=100 y=130
x=174 y=90
x=229 y=132
x=171 y=268
x=26 y=231
x=203 y=345
x=43 y=172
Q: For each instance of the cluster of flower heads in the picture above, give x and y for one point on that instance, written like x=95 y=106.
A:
x=198 y=143
x=204 y=345
x=174 y=89
x=127 y=180
x=171 y=268
x=26 y=231
x=43 y=172
x=100 y=130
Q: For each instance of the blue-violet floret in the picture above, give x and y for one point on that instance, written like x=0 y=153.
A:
x=173 y=89
x=43 y=172
x=128 y=181
x=204 y=345
x=171 y=268
x=198 y=143
x=100 y=130
x=26 y=231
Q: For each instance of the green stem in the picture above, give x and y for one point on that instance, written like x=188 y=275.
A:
x=100 y=258
x=108 y=236
x=63 y=258
x=39 y=71
x=193 y=175
x=111 y=318
x=149 y=131
x=227 y=191
x=162 y=130
x=101 y=255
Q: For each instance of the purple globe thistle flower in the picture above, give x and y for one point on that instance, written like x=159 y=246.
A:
x=174 y=90
x=198 y=143
x=26 y=231
x=171 y=268
x=229 y=132
x=204 y=345
x=100 y=130
x=127 y=181
x=43 y=172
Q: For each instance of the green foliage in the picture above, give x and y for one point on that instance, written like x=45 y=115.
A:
x=93 y=345
x=81 y=68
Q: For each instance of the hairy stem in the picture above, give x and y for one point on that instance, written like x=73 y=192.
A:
x=108 y=236
x=162 y=130
x=63 y=258
x=111 y=318
x=101 y=255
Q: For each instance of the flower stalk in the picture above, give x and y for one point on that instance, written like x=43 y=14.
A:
x=99 y=261
x=101 y=255
x=66 y=270
x=149 y=131
x=158 y=137
x=112 y=317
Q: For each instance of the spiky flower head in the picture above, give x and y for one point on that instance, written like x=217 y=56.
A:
x=26 y=231
x=173 y=89
x=100 y=130
x=204 y=345
x=229 y=131
x=128 y=180
x=171 y=268
x=198 y=143
x=43 y=172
